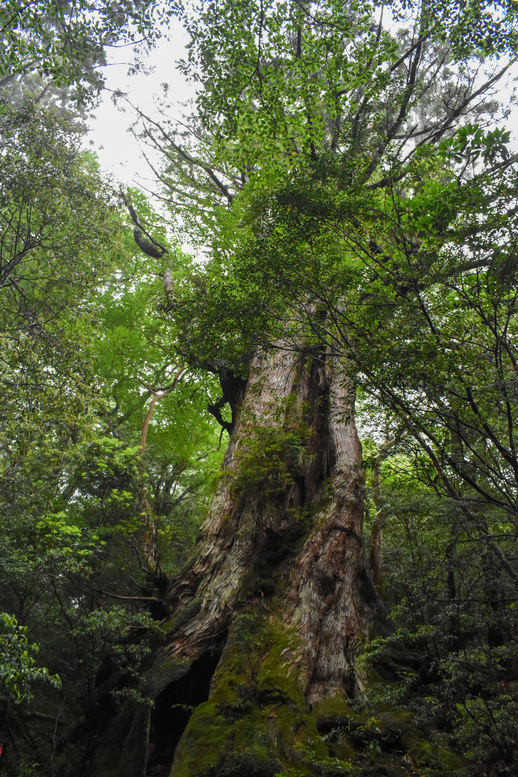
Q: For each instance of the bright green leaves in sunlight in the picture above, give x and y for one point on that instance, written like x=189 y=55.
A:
x=471 y=143
x=105 y=440
x=245 y=54
x=283 y=79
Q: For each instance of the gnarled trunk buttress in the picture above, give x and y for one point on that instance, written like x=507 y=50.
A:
x=276 y=603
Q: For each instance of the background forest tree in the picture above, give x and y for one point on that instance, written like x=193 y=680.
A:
x=347 y=177
x=83 y=493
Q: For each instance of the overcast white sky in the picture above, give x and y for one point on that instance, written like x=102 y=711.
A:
x=118 y=151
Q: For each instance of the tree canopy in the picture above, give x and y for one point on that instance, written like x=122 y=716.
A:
x=65 y=43
x=321 y=606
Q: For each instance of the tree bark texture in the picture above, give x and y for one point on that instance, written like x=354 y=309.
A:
x=276 y=604
x=318 y=495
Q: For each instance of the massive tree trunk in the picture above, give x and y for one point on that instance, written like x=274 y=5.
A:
x=270 y=616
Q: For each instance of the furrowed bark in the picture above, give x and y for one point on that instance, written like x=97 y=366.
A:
x=276 y=604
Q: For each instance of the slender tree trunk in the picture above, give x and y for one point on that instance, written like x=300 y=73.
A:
x=271 y=614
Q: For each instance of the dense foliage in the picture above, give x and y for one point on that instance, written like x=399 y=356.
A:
x=94 y=512
x=344 y=178
x=64 y=43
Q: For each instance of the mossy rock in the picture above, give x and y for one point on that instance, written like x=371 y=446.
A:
x=332 y=712
x=386 y=730
x=247 y=765
x=434 y=752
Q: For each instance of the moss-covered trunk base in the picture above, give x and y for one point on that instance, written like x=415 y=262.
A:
x=258 y=723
